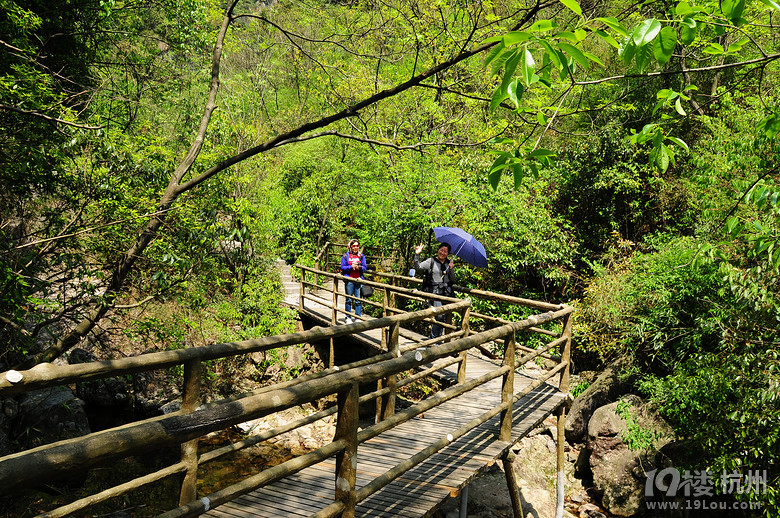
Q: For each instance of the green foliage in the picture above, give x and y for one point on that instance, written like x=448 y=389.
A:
x=657 y=190
x=550 y=60
x=654 y=307
x=579 y=388
x=728 y=403
x=636 y=436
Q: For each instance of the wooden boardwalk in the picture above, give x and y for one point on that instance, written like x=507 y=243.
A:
x=420 y=491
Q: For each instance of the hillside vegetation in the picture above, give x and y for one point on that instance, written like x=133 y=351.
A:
x=159 y=156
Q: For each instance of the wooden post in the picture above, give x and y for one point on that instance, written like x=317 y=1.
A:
x=334 y=319
x=385 y=299
x=508 y=389
x=379 y=401
x=333 y=322
x=388 y=406
x=189 y=449
x=392 y=303
x=511 y=482
x=465 y=327
x=346 y=460
x=300 y=295
x=317 y=266
x=563 y=386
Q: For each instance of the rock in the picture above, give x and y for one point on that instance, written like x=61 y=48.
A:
x=618 y=472
x=590 y=511
x=6 y=446
x=50 y=415
x=171 y=407
x=607 y=387
x=536 y=473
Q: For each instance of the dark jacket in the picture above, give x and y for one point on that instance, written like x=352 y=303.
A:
x=438 y=277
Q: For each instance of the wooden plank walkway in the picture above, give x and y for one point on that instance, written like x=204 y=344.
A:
x=420 y=491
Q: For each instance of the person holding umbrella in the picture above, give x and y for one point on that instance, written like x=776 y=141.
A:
x=438 y=278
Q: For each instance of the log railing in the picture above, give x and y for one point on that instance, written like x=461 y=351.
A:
x=329 y=256
x=196 y=418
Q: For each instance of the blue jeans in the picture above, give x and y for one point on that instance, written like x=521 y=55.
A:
x=352 y=289
x=436 y=330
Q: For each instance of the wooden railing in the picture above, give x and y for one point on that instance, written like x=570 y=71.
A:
x=197 y=418
x=329 y=256
x=398 y=282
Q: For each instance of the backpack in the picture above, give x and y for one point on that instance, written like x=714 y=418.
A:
x=427 y=281
x=437 y=288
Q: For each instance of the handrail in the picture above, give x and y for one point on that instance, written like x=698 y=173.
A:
x=49 y=375
x=187 y=425
x=359 y=376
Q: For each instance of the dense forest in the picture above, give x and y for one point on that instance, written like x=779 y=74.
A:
x=159 y=155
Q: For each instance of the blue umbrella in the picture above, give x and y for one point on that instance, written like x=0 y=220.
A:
x=463 y=245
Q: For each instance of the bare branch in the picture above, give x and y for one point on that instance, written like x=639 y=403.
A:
x=48 y=118
x=663 y=73
x=91 y=229
x=416 y=146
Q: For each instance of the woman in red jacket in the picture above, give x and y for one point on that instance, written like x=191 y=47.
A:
x=353 y=265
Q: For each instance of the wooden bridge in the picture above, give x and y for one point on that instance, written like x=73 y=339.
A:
x=404 y=463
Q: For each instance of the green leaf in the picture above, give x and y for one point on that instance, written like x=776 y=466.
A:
x=501 y=60
x=543 y=26
x=665 y=44
x=714 y=49
x=541 y=118
x=517 y=175
x=551 y=53
x=614 y=24
x=568 y=35
x=733 y=9
x=515 y=92
x=575 y=53
x=737 y=46
x=679 y=142
x=580 y=34
x=573 y=5
x=658 y=139
x=606 y=37
x=528 y=67
x=646 y=32
x=683 y=9
x=567 y=64
x=678 y=107
x=515 y=37
x=775 y=259
x=497 y=169
x=770 y=126
x=732 y=226
x=541 y=152
x=688 y=31
x=499 y=96
x=592 y=57
x=495 y=51
x=662 y=158
x=643 y=56
x=772 y=4
x=627 y=50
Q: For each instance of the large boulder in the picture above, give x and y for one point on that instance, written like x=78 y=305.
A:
x=9 y=409
x=607 y=388
x=619 y=473
x=50 y=415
